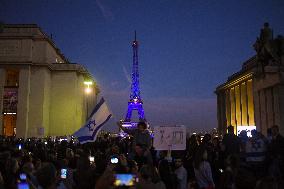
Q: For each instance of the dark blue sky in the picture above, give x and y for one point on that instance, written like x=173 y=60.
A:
x=187 y=47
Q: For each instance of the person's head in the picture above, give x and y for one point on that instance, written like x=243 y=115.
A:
x=231 y=129
x=141 y=126
x=69 y=153
x=139 y=149
x=192 y=139
x=206 y=138
x=215 y=141
x=178 y=162
x=115 y=149
x=243 y=134
x=46 y=176
x=254 y=133
x=274 y=130
x=28 y=167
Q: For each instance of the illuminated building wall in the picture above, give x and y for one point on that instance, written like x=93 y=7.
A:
x=251 y=99
x=238 y=104
x=49 y=91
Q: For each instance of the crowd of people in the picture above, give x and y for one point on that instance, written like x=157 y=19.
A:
x=227 y=162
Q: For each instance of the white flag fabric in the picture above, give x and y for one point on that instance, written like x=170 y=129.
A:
x=99 y=116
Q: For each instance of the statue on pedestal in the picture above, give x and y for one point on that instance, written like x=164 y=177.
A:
x=265 y=47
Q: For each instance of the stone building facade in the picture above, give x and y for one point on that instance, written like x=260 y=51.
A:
x=254 y=96
x=41 y=92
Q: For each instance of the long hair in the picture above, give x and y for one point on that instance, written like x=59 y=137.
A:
x=198 y=158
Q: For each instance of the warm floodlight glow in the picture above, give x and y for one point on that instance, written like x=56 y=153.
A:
x=88 y=90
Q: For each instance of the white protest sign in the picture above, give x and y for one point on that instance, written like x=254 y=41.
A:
x=170 y=138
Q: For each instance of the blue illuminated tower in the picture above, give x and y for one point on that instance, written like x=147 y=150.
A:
x=135 y=102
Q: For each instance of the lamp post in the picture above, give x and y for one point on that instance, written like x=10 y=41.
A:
x=88 y=90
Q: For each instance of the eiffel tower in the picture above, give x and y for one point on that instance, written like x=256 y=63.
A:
x=135 y=102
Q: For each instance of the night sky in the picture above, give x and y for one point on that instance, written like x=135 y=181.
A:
x=187 y=48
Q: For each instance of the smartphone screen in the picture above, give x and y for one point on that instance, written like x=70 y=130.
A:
x=114 y=160
x=23 y=176
x=63 y=173
x=125 y=180
x=19 y=146
x=92 y=159
x=23 y=185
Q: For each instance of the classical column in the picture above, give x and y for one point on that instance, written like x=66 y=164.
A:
x=250 y=102
x=244 y=104
x=228 y=107
x=2 y=84
x=281 y=108
x=263 y=116
x=23 y=102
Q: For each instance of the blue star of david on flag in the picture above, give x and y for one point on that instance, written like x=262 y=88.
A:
x=91 y=125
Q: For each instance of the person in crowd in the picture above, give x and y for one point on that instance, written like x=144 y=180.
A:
x=142 y=155
x=227 y=179
x=276 y=153
x=84 y=174
x=207 y=144
x=202 y=169
x=145 y=178
x=255 y=153
x=230 y=143
x=166 y=172
x=156 y=179
x=12 y=172
x=244 y=178
x=181 y=174
x=191 y=146
x=216 y=160
x=243 y=139
x=47 y=177
x=141 y=135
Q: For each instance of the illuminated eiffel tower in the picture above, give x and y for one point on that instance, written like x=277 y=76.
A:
x=135 y=102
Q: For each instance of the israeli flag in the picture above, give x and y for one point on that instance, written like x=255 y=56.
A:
x=99 y=116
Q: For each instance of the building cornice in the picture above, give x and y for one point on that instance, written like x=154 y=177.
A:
x=53 y=66
x=29 y=35
x=234 y=82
